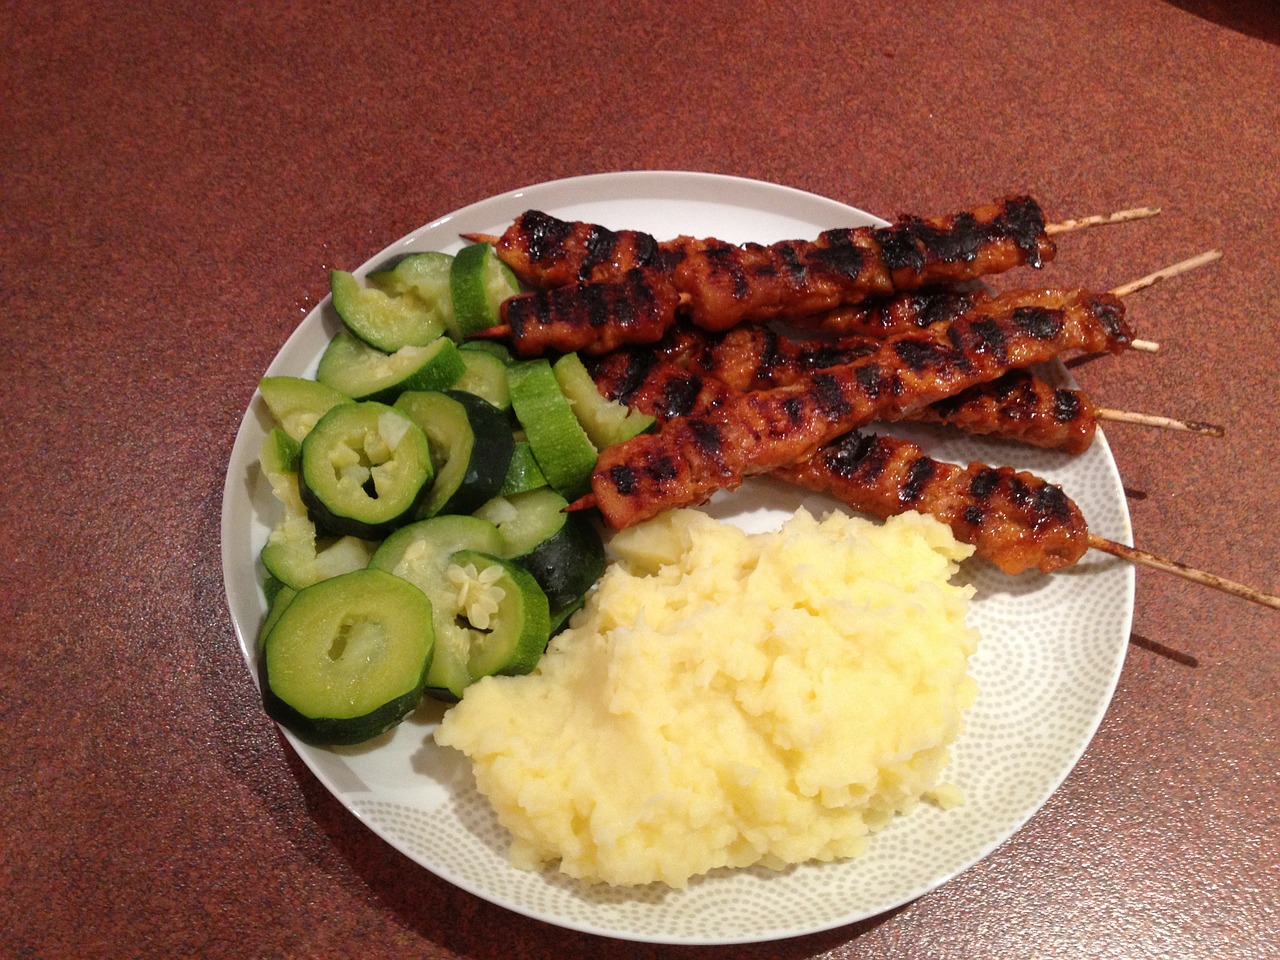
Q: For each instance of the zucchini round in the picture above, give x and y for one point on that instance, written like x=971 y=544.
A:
x=422 y=554
x=347 y=658
x=364 y=468
x=471 y=447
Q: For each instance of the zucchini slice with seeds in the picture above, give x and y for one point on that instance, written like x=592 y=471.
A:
x=485 y=622
x=562 y=550
x=364 y=468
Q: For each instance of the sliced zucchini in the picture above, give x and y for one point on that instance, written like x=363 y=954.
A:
x=364 y=373
x=562 y=550
x=365 y=466
x=484 y=375
x=605 y=421
x=507 y=610
x=478 y=284
x=297 y=403
x=477 y=631
x=384 y=321
x=279 y=457
x=295 y=555
x=422 y=275
x=471 y=447
x=280 y=598
x=499 y=350
x=347 y=658
x=523 y=474
x=564 y=453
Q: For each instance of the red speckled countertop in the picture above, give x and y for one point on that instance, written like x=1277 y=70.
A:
x=175 y=183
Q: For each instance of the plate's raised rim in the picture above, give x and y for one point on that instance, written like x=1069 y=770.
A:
x=619 y=186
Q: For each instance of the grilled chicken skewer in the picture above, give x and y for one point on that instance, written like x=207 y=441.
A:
x=1012 y=518
x=692 y=457
x=724 y=284
x=1018 y=406
x=596 y=317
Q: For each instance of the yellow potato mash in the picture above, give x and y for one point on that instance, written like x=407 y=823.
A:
x=727 y=699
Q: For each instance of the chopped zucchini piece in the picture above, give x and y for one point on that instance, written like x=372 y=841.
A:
x=479 y=282
x=523 y=474
x=471 y=447
x=605 y=421
x=423 y=275
x=297 y=403
x=484 y=622
x=562 y=550
x=484 y=375
x=364 y=373
x=384 y=321
x=295 y=555
x=499 y=350
x=564 y=453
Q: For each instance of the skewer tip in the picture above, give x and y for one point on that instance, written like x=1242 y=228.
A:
x=479 y=237
x=1177 y=568
x=499 y=331
x=1102 y=219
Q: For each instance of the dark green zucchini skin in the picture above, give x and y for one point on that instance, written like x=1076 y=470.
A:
x=460 y=425
x=489 y=458
x=345 y=732
x=568 y=563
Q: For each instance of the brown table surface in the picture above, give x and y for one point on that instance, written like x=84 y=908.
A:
x=175 y=183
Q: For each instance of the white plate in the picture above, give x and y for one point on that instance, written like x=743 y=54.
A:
x=1051 y=652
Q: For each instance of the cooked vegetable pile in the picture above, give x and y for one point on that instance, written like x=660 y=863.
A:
x=424 y=541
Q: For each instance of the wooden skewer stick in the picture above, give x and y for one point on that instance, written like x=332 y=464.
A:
x=1165 y=423
x=1134 y=555
x=1064 y=226
x=1101 y=220
x=1173 y=270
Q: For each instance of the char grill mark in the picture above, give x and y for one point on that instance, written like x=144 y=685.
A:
x=918 y=474
x=591 y=317
x=543 y=236
x=679 y=396
x=1023 y=220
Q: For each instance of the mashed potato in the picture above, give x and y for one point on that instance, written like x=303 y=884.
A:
x=728 y=699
